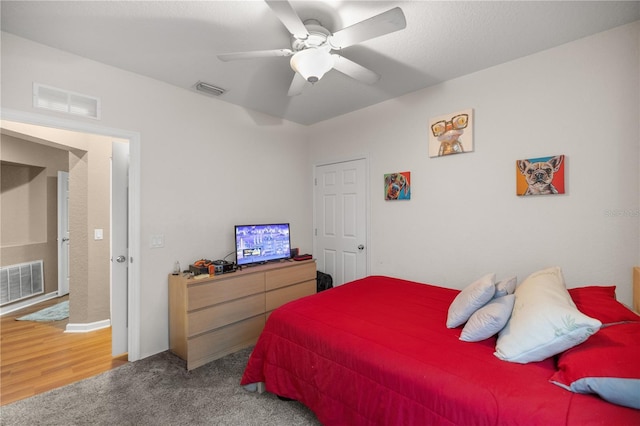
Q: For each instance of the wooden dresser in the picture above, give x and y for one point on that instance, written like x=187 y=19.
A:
x=214 y=316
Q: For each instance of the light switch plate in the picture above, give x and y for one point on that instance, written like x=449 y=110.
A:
x=157 y=241
x=98 y=234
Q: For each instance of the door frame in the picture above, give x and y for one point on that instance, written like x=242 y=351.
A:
x=63 y=233
x=367 y=203
x=133 y=293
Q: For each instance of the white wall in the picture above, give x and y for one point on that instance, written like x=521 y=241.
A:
x=205 y=165
x=581 y=99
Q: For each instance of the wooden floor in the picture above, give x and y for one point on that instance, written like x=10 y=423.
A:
x=39 y=356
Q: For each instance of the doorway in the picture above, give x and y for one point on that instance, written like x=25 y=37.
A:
x=340 y=215
x=133 y=220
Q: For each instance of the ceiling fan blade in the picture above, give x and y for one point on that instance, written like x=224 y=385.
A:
x=297 y=85
x=384 y=23
x=285 y=13
x=353 y=70
x=255 y=54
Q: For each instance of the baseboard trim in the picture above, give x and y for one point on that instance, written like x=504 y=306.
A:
x=87 y=327
x=27 y=302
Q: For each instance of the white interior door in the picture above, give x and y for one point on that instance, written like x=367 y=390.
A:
x=63 y=233
x=340 y=237
x=119 y=247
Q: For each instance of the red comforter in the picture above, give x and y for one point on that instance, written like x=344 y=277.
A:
x=377 y=351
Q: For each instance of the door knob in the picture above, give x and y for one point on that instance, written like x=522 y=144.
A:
x=121 y=259
x=360 y=247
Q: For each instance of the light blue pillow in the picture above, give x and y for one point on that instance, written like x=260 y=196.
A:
x=470 y=299
x=617 y=390
x=488 y=320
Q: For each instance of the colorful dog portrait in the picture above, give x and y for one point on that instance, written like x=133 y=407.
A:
x=451 y=133
x=540 y=176
x=397 y=186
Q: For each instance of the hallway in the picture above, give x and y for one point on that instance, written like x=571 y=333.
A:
x=39 y=356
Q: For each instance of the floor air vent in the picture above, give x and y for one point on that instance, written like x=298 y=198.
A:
x=21 y=281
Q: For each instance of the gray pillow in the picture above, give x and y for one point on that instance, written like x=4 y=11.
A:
x=488 y=320
x=470 y=299
x=506 y=286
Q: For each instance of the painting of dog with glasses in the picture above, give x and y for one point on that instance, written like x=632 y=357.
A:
x=451 y=134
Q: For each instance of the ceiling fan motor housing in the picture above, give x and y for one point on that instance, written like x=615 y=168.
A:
x=317 y=37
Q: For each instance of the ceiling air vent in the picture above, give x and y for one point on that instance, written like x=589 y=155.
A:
x=209 y=88
x=60 y=100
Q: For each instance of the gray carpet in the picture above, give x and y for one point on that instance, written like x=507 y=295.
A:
x=160 y=391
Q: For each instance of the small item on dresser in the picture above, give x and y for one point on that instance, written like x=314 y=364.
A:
x=200 y=267
x=200 y=277
x=176 y=268
x=305 y=256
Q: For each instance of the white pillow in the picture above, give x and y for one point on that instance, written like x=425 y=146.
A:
x=469 y=300
x=544 y=321
x=506 y=286
x=488 y=320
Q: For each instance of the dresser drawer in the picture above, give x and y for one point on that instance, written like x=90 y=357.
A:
x=225 y=313
x=218 y=291
x=292 y=275
x=280 y=296
x=223 y=341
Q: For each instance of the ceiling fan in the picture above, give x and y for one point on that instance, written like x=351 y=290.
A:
x=312 y=45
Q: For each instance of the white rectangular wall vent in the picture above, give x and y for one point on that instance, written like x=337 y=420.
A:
x=61 y=100
x=21 y=281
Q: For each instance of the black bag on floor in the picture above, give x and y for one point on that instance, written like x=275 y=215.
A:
x=324 y=281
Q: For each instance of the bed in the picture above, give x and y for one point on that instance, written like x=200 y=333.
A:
x=377 y=351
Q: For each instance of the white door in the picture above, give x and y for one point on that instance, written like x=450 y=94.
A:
x=119 y=247
x=63 y=233
x=340 y=237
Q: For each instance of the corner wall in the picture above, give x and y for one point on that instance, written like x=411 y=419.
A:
x=205 y=165
x=581 y=99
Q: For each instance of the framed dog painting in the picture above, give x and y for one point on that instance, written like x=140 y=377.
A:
x=540 y=176
x=397 y=186
x=451 y=133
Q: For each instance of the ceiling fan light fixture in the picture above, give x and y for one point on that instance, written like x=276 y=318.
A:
x=312 y=63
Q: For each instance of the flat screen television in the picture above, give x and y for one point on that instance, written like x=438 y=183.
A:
x=262 y=243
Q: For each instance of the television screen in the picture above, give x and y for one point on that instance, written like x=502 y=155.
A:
x=262 y=243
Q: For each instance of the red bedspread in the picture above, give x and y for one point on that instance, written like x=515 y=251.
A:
x=377 y=351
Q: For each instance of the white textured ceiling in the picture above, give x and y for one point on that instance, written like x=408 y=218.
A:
x=177 y=42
